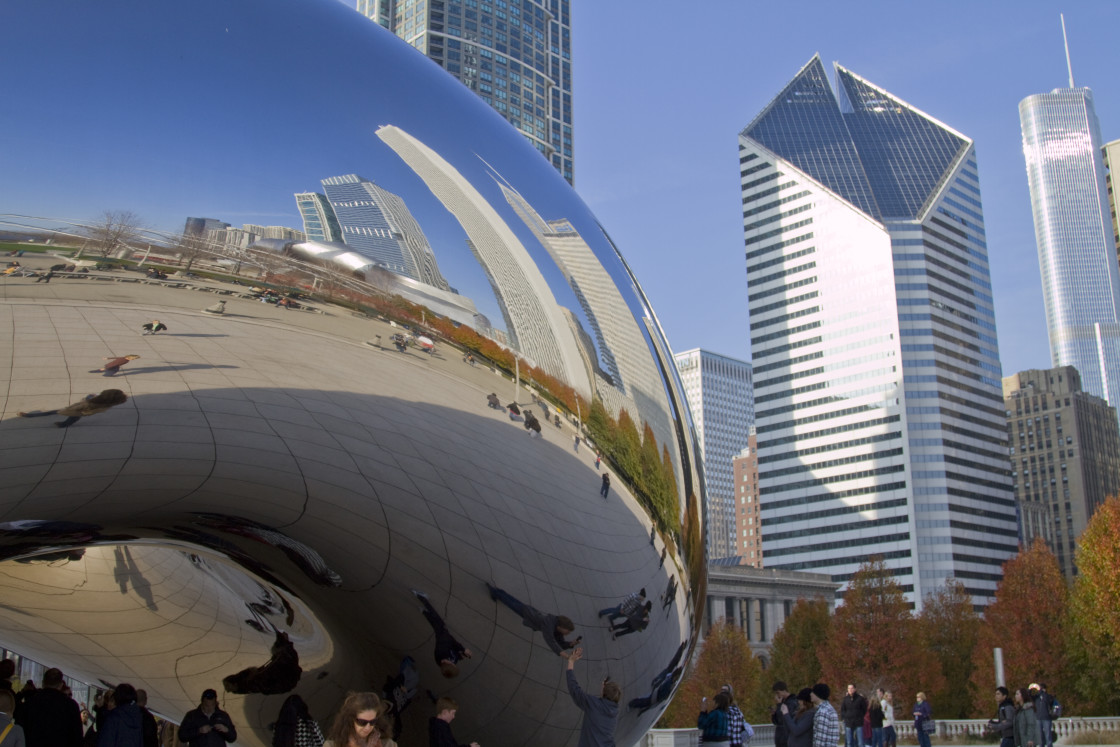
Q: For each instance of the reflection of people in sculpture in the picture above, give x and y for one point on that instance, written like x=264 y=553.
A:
x=531 y=423
x=626 y=607
x=634 y=623
x=400 y=690
x=493 y=401
x=448 y=651
x=661 y=689
x=554 y=628
x=599 y=713
x=439 y=726
x=91 y=405
x=670 y=593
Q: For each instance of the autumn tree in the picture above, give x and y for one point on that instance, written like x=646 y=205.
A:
x=875 y=641
x=950 y=626
x=725 y=659
x=1026 y=620
x=113 y=230
x=1094 y=613
x=793 y=650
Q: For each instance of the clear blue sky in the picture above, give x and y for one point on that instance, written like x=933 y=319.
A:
x=662 y=90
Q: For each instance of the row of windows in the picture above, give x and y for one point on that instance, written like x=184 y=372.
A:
x=753 y=169
x=785 y=318
x=768 y=192
x=790 y=361
x=831 y=496
x=779 y=260
x=779 y=216
x=846 y=428
x=783 y=333
x=774 y=247
x=878 y=438
x=761 y=180
x=855 y=560
x=770 y=474
x=831 y=383
x=830 y=512
x=776 y=232
x=866 y=525
x=818 y=481
x=788 y=286
x=784 y=302
x=759 y=415
x=771 y=205
x=840 y=545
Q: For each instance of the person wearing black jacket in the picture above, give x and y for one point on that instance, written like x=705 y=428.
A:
x=852 y=711
x=207 y=725
x=782 y=696
x=439 y=726
x=49 y=718
x=1003 y=725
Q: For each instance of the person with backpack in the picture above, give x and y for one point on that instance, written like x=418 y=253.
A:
x=739 y=732
x=1003 y=725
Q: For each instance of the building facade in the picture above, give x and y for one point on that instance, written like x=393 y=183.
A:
x=758 y=601
x=377 y=224
x=878 y=407
x=748 y=517
x=319 y=221
x=1073 y=230
x=1065 y=455
x=718 y=390
x=515 y=54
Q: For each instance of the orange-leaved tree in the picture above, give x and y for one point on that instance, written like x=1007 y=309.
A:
x=950 y=625
x=1094 y=614
x=793 y=650
x=725 y=659
x=1027 y=621
x=875 y=641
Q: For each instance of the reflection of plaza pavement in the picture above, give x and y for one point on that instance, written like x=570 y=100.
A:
x=389 y=465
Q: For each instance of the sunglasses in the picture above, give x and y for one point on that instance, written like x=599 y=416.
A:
x=364 y=721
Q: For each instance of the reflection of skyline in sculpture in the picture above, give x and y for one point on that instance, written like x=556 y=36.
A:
x=460 y=309
x=535 y=323
x=377 y=224
x=319 y=221
x=622 y=346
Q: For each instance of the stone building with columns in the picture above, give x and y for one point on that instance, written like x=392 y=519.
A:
x=758 y=600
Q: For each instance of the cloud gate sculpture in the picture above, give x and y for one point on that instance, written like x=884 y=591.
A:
x=396 y=355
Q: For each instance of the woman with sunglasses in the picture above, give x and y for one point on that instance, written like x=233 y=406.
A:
x=355 y=724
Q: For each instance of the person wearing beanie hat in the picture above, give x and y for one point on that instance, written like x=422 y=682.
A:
x=207 y=725
x=826 y=724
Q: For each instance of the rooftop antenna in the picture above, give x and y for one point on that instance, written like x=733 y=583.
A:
x=1065 y=38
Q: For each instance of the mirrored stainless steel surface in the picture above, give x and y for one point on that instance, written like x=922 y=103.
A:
x=306 y=486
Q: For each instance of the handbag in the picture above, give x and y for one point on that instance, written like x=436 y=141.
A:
x=929 y=726
x=308 y=734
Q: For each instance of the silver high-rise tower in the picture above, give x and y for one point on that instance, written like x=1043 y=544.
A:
x=515 y=54
x=878 y=402
x=1073 y=230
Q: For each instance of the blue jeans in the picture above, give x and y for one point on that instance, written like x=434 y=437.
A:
x=923 y=737
x=853 y=737
x=890 y=738
x=1045 y=727
x=877 y=737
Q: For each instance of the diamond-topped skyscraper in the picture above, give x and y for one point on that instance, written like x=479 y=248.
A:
x=1073 y=230
x=878 y=402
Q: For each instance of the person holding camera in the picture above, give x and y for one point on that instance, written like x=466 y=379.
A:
x=599 y=714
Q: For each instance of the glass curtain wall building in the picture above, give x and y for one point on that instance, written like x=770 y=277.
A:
x=719 y=394
x=878 y=402
x=515 y=54
x=1073 y=229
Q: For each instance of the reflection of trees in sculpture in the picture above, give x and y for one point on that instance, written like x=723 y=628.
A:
x=113 y=230
x=635 y=458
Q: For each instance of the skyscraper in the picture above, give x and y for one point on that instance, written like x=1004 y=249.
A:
x=515 y=54
x=718 y=390
x=1065 y=453
x=538 y=329
x=1073 y=230
x=878 y=403
x=377 y=224
x=319 y=221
